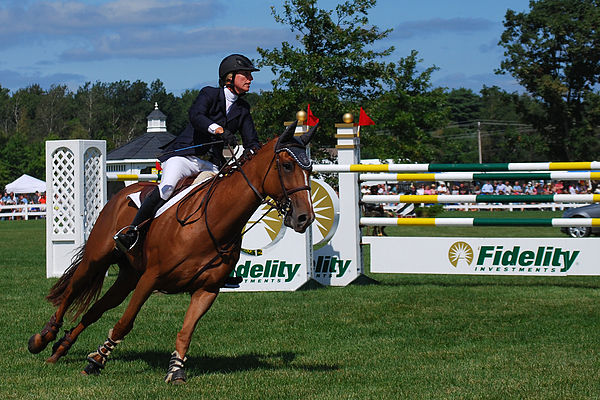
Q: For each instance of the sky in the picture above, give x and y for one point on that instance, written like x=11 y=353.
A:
x=181 y=42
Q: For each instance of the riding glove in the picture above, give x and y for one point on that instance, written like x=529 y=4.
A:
x=229 y=138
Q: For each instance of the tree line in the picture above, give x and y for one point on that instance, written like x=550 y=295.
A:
x=551 y=51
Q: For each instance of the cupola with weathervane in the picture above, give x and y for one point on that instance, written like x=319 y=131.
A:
x=157 y=121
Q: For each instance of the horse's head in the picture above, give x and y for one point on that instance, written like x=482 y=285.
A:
x=289 y=181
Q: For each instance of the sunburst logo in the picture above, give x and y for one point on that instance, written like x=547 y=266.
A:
x=326 y=208
x=460 y=252
x=266 y=228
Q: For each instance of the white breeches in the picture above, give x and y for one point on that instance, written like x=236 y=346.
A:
x=176 y=168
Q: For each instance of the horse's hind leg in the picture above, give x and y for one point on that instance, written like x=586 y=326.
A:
x=114 y=296
x=83 y=278
x=200 y=303
x=143 y=290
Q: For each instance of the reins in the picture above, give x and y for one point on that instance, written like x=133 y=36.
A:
x=282 y=206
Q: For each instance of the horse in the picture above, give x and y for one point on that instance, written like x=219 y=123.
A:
x=192 y=247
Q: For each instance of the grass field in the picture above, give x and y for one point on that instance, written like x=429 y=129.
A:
x=410 y=337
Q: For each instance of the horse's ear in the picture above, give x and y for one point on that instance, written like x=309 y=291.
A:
x=308 y=135
x=287 y=135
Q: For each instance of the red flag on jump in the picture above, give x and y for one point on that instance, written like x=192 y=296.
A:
x=364 y=119
x=158 y=168
x=311 y=120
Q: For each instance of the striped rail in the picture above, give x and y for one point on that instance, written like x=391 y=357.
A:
x=113 y=176
x=551 y=222
x=475 y=176
x=541 y=166
x=483 y=198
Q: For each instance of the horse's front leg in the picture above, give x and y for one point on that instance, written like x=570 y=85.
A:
x=200 y=303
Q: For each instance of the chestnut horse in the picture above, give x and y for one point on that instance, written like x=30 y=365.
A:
x=191 y=247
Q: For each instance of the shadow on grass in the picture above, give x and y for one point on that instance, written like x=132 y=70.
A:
x=202 y=365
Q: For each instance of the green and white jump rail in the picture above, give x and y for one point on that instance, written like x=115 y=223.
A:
x=482 y=198
x=551 y=222
x=539 y=166
x=477 y=176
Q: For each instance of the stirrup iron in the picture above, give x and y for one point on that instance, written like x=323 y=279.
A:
x=120 y=245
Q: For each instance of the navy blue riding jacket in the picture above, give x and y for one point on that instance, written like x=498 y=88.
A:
x=209 y=108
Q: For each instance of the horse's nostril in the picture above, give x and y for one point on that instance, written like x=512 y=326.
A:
x=302 y=218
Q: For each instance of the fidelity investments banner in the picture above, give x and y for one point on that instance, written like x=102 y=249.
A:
x=485 y=256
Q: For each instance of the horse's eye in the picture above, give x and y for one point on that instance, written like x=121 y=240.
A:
x=288 y=166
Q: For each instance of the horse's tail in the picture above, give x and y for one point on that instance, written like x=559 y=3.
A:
x=89 y=290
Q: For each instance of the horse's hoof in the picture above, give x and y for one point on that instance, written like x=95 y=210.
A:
x=91 y=369
x=177 y=377
x=36 y=344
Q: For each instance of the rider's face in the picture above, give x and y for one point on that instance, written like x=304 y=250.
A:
x=242 y=80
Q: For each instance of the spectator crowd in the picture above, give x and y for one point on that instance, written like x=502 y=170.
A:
x=486 y=187
x=10 y=199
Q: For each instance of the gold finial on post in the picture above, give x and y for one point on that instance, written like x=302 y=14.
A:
x=348 y=118
x=301 y=116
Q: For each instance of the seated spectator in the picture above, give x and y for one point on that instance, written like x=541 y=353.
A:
x=10 y=199
x=530 y=189
x=487 y=188
x=559 y=187
x=442 y=189
x=501 y=188
x=517 y=189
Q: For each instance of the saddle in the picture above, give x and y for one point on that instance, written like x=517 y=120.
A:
x=203 y=176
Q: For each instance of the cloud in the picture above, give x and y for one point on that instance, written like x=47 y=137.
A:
x=436 y=26
x=491 y=46
x=475 y=82
x=169 y=43
x=138 y=29
x=14 y=79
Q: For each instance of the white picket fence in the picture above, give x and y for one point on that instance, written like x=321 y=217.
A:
x=22 y=211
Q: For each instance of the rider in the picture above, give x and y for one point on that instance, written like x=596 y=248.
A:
x=216 y=114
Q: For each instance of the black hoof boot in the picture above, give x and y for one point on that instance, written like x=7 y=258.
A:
x=175 y=372
x=93 y=368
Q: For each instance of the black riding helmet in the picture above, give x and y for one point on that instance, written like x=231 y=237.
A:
x=234 y=63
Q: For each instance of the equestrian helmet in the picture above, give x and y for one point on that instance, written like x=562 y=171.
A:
x=234 y=63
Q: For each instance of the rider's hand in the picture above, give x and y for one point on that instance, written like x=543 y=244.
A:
x=251 y=150
x=229 y=138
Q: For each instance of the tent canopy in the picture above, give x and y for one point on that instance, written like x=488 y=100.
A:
x=26 y=184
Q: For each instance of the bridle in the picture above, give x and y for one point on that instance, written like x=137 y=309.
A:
x=282 y=205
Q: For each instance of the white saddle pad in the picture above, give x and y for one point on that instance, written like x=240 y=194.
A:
x=135 y=197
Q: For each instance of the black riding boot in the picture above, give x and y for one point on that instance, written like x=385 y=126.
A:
x=126 y=240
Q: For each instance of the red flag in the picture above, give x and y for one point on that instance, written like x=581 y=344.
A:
x=158 y=168
x=311 y=120
x=364 y=119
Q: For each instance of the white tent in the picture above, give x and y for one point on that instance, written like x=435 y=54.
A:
x=26 y=184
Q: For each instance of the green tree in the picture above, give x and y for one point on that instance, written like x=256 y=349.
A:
x=554 y=52
x=406 y=115
x=333 y=65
